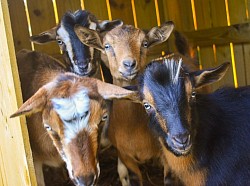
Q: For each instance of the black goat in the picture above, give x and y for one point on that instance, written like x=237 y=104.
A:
x=80 y=59
x=205 y=137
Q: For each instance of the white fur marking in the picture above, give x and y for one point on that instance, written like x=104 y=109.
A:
x=74 y=112
x=170 y=64
x=64 y=35
x=92 y=26
x=123 y=173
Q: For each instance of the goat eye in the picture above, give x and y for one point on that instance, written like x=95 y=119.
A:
x=193 y=94
x=60 y=42
x=104 y=117
x=147 y=106
x=47 y=127
x=145 y=44
x=107 y=46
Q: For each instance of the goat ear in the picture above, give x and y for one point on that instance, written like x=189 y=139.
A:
x=110 y=92
x=34 y=104
x=160 y=34
x=89 y=37
x=44 y=37
x=107 y=25
x=202 y=78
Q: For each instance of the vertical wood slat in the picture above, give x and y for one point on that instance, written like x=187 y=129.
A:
x=121 y=9
x=67 y=5
x=246 y=49
x=203 y=12
x=223 y=53
x=98 y=8
x=19 y=25
x=15 y=153
x=42 y=18
x=180 y=12
x=237 y=12
x=145 y=14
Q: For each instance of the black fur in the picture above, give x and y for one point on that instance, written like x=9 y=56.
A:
x=220 y=127
x=81 y=52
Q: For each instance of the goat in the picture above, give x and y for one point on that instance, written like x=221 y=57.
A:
x=66 y=113
x=204 y=137
x=126 y=48
x=80 y=59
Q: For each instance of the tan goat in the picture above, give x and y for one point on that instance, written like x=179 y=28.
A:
x=126 y=48
x=67 y=112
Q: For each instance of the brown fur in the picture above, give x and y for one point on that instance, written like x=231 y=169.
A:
x=128 y=128
x=39 y=78
x=183 y=167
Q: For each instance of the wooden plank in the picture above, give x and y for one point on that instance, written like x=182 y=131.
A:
x=19 y=25
x=98 y=8
x=180 y=12
x=223 y=53
x=42 y=18
x=121 y=9
x=145 y=14
x=203 y=21
x=246 y=48
x=67 y=5
x=17 y=168
x=237 y=13
x=237 y=33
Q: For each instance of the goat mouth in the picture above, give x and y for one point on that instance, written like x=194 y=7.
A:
x=89 y=72
x=129 y=75
x=180 y=149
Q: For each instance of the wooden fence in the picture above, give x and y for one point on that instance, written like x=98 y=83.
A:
x=218 y=30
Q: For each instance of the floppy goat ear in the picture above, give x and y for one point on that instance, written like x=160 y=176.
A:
x=44 y=37
x=89 y=37
x=34 y=104
x=202 y=78
x=160 y=34
x=110 y=91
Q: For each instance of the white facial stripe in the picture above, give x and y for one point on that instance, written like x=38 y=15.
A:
x=91 y=50
x=74 y=112
x=92 y=26
x=64 y=35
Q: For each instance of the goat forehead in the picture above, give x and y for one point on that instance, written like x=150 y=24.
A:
x=124 y=35
x=158 y=80
x=73 y=106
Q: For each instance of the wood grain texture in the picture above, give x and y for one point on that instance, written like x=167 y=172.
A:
x=237 y=34
x=42 y=18
x=19 y=25
x=223 y=53
x=98 y=8
x=145 y=14
x=121 y=9
x=15 y=154
x=67 y=5
x=238 y=15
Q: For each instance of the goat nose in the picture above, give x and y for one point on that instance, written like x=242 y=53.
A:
x=181 y=138
x=86 y=180
x=129 y=64
x=83 y=66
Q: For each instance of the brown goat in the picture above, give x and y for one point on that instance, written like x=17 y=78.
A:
x=126 y=48
x=67 y=112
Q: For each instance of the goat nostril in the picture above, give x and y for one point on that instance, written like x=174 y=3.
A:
x=83 y=66
x=86 y=180
x=181 y=138
x=129 y=64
